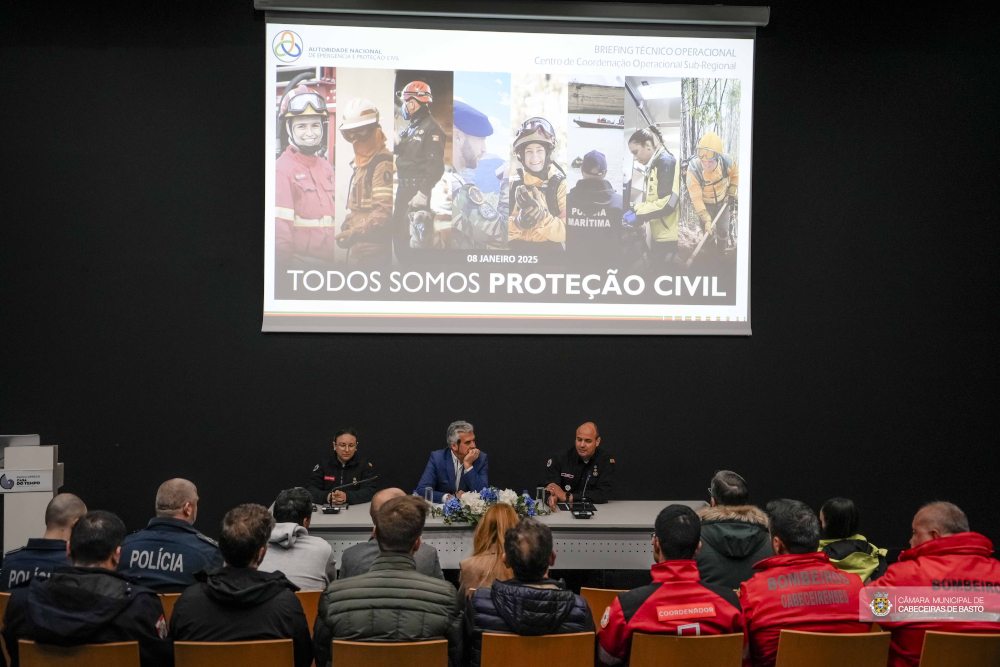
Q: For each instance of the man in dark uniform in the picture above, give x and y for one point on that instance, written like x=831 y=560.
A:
x=342 y=466
x=593 y=225
x=582 y=472
x=167 y=553
x=43 y=555
x=419 y=161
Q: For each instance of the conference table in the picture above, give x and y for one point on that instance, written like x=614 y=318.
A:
x=617 y=537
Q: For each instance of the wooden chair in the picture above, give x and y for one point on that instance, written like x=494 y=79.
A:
x=4 y=599
x=119 y=654
x=310 y=605
x=958 y=649
x=831 y=649
x=168 y=600
x=688 y=651
x=433 y=653
x=263 y=653
x=571 y=650
x=598 y=599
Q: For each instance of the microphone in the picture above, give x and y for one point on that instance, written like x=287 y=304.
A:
x=583 y=494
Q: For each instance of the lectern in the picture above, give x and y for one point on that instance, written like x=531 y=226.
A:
x=30 y=475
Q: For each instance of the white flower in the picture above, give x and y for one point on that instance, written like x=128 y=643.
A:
x=507 y=496
x=474 y=502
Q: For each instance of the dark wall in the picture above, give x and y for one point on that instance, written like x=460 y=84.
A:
x=132 y=280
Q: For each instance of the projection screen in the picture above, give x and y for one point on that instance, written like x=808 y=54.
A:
x=430 y=175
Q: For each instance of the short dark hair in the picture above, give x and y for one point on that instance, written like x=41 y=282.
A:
x=841 y=518
x=399 y=523
x=528 y=546
x=345 y=431
x=678 y=531
x=245 y=529
x=293 y=506
x=94 y=538
x=795 y=524
x=728 y=488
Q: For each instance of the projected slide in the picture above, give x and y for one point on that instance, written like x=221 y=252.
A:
x=553 y=183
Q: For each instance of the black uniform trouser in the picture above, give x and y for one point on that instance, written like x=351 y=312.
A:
x=400 y=221
x=721 y=229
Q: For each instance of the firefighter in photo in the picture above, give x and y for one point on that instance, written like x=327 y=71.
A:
x=537 y=200
x=595 y=213
x=304 y=191
x=712 y=181
x=366 y=230
x=585 y=471
x=419 y=159
x=341 y=466
x=659 y=199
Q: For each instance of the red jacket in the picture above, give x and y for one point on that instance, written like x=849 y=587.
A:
x=303 y=206
x=677 y=602
x=797 y=592
x=958 y=563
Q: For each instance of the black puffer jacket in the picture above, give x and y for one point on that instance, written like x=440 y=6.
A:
x=513 y=607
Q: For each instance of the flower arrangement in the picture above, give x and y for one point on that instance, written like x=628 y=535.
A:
x=471 y=507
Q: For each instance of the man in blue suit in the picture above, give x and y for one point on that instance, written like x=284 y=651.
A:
x=458 y=468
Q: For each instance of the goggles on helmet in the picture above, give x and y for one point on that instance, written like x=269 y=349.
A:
x=538 y=126
x=301 y=102
x=356 y=134
x=707 y=154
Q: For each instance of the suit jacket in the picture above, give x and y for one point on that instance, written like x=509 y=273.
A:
x=440 y=475
x=359 y=558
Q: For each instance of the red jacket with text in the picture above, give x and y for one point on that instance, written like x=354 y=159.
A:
x=677 y=602
x=959 y=563
x=797 y=592
x=303 y=201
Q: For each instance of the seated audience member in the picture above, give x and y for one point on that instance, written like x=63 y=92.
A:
x=392 y=602
x=43 y=554
x=797 y=589
x=359 y=558
x=167 y=553
x=733 y=533
x=847 y=548
x=240 y=602
x=946 y=555
x=530 y=603
x=306 y=561
x=88 y=602
x=487 y=564
x=699 y=608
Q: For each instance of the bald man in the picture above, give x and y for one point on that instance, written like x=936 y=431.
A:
x=168 y=552
x=944 y=558
x=43 y=555
x=585 y=471
x=359 y=558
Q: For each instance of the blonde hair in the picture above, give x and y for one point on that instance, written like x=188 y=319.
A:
x=487 y=545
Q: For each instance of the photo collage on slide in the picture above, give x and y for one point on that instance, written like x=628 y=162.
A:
x=378 y=168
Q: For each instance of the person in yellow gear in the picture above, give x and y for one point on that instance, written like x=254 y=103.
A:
x=660 y=195
x=537 y=199
x=713 y=178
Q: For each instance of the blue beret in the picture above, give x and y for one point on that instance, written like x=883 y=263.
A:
x=472 y=121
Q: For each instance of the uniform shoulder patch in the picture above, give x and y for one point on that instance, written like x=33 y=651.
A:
x=476 y=195
x=161 y=627
x=206 y=538
x=316 y=467
x=549 y=464
x=387 y=176
x=606 y=617
x=612 y=460
x=436 y=138
x=369 y=464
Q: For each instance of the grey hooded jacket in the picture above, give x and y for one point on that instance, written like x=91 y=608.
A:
x=306 y=561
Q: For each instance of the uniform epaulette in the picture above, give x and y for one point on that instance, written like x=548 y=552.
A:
x=12 y=551
x=206 y=538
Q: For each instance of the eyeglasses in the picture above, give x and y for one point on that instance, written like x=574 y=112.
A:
x=344 y=445
x=299 y=103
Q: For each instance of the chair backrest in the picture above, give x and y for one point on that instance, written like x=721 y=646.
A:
x=310 y=605
x=955 y=649
x=119 y=654
x=570 y=650
x=687 y=651
x=263 y=653
x=4 y=599
x=831 y=649
x=432 y=653
x=168 y=600
x=598 y=599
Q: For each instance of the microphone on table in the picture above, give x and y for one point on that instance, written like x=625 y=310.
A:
x=583 y=512
x=344 y=486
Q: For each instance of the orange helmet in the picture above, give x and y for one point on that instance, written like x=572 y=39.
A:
x=417 y=90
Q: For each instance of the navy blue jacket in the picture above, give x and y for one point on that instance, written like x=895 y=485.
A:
x=513 y=607
x=166 y=555
x=440 y=475
x=38 y=559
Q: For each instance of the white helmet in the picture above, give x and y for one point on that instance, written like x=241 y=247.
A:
x=358 y=113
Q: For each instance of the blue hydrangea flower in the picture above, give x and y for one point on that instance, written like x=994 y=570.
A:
x=452 y=506
x=531 y=511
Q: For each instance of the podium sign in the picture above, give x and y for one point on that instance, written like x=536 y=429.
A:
x=21 y=481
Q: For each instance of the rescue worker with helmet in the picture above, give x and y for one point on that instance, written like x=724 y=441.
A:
x=713 y=178
x=537 y=222
x=659 y=198
x=419 y=159
x=304 y=226
x=366 y=230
